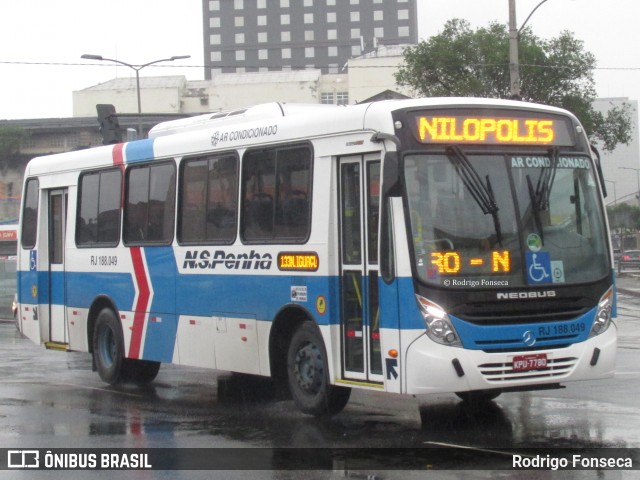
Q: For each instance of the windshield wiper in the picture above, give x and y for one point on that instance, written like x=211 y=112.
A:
x=540 y=195
x=545 y=181
x=481 y=192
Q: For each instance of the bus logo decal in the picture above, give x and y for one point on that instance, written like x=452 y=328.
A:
x=205 y=260
x=528 y=338
x=525 y=295
x=244 y=134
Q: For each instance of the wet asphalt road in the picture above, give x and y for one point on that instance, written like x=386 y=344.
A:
x=53 y=400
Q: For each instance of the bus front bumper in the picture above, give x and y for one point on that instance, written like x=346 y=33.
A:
x=435 y=368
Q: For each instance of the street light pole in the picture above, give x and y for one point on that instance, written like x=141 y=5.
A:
x=137 y=69
x=615 y=195
x=514 y=33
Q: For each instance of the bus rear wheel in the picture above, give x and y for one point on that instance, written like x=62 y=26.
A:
x=308 y=374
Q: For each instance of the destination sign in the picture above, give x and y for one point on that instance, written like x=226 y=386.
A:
x=451 y=127
x=453 y=263
x=298 y=261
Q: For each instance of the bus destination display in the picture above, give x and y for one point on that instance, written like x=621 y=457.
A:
x=453 y=263
x=493 y=130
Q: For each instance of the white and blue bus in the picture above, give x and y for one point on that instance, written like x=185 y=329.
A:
x=404 y=246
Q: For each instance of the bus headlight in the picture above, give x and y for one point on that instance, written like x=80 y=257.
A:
x=439 y=327
x=603 y=314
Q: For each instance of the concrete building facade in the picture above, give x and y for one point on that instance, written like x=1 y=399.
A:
x=272 y=35
x=228 y=91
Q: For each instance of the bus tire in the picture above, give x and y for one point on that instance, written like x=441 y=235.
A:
x=308 y=374
x=140 y=372
x=479 y=396
x=108 y=347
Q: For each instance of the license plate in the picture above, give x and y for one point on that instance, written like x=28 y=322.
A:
x=525 y=363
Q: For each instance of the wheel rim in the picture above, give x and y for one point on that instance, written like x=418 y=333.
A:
x=107 y=346
x=309 y=369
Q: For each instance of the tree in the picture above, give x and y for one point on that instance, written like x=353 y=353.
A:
x=558 y=72
x=624 y=217
x=10 y=139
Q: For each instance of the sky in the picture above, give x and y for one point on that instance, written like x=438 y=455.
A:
x=41 y=42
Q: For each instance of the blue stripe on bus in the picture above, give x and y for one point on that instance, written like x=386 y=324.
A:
x=547 y=334
x=160 y=337
x=198 y=295
x=84 y=287
x=27 y=281
x=81 y=288
x=163 y=273
x=261 y=297
x=139 y=151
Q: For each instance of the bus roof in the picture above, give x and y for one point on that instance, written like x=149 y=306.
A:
x=258 y=125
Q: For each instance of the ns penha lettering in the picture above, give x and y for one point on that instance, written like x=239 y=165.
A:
x=205 y=259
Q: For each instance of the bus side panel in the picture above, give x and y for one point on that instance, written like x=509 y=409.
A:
x=33 y=291
x=234 y=310
x=28 y=300
x=89 y=276
x=389 y=334
x=158 y=341
x=194 y=345
x=236 y=343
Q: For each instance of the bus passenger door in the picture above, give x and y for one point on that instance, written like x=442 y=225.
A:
x=359 y=181
x=57 y=283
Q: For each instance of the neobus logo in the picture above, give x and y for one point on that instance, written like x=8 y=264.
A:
x=525 y=295
x=204 y=259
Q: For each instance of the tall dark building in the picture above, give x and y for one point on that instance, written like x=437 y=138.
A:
x=271 y=35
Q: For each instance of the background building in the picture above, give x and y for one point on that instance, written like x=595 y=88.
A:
x=249 y=36
x=228 y=91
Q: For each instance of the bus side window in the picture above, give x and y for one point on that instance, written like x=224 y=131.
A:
x=294 y=178
x=99 y=213
x=208 y=200
x=276 y=195
x=30 y=214
x=150 y=204
x=258 y=182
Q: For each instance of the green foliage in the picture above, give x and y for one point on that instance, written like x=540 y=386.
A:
x=624 y=217
x=559 y=72
x=10 y=139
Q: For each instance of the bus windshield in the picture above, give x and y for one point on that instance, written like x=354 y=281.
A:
x=503 y=220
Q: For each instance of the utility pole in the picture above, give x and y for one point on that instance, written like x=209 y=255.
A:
x=514 y=61
x=514 y=66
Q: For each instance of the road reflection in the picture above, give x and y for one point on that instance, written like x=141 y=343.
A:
x=55 y=399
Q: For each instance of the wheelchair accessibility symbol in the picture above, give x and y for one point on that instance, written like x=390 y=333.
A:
x=539 y=267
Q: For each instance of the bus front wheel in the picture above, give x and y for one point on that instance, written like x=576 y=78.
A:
x=308 y=374
x=479 y=396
